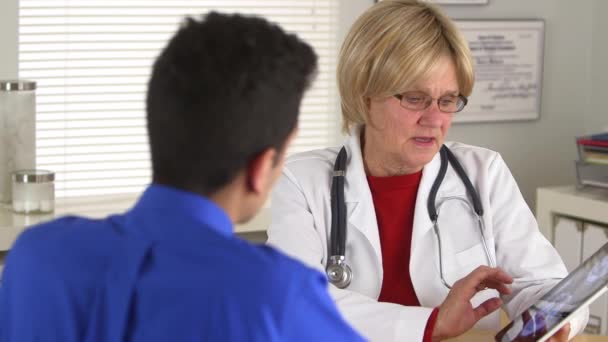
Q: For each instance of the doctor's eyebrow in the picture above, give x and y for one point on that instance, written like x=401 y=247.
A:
x=428 y=91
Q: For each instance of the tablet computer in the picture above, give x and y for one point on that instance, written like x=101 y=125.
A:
x=553 y=310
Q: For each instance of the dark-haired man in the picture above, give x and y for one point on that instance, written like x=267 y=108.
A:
x=222 y=106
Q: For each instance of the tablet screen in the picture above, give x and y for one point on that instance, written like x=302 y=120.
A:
x=576 y=290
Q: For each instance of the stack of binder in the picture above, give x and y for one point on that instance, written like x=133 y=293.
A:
x=592 y=166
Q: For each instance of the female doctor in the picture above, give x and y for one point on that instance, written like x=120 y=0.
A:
x=410 y=217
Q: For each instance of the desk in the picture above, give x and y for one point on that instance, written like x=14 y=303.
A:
x=485 y=335
x=12 y=224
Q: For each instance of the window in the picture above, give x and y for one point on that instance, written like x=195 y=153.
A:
x=92 y=59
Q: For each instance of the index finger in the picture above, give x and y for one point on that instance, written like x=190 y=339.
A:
x=486 y=275
x=485 y=272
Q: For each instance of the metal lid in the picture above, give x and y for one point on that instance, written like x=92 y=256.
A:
x=33 y=176
x=17 y=85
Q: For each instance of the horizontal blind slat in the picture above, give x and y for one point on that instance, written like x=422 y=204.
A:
x=177 y=3
x=152 y=19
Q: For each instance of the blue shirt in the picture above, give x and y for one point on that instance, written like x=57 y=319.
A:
x=170 y=269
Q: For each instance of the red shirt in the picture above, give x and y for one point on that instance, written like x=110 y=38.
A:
x=394 y=201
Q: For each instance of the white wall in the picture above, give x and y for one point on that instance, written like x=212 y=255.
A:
x=597 y=118
x=8 y=39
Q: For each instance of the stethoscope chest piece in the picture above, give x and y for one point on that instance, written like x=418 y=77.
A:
x=338 y=272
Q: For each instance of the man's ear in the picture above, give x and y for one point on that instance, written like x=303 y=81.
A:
x=259 y=170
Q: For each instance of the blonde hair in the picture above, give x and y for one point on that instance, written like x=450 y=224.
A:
x=393 y=45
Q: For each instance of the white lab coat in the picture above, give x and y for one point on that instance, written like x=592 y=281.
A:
x=301 y=225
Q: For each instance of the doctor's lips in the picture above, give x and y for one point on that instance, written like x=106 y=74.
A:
x=424 y=140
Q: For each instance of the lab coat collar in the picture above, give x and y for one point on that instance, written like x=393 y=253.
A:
x=355 y=180
x=422 y=221
x=357 y=195
x=423 y=240
x=359 y=202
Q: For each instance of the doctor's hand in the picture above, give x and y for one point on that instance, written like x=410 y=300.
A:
x=561 y=335
x=456 y=314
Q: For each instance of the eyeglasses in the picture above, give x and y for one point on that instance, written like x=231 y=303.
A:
x=417 y=100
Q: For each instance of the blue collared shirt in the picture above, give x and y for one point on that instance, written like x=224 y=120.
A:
x=170 y=269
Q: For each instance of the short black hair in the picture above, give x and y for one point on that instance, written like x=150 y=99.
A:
x=225 y=88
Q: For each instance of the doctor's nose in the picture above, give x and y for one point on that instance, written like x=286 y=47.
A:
x=432 y=116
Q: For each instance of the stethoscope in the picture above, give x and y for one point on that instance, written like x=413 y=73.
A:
x=339 y=272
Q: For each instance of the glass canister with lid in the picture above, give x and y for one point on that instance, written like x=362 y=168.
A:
x=33 y=191
x=17 y=131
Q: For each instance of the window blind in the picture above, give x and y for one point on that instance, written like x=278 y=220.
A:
x=92 y=59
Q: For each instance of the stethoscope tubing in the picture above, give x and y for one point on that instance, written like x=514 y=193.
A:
x=337 y=245
x=481 y=227
x=338 y=206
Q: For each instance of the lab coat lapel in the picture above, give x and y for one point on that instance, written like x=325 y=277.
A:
x=422 y=221
x=358 y=197
x=423 y=250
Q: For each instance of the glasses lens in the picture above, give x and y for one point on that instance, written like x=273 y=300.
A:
x=451 y=104
x=415 y=100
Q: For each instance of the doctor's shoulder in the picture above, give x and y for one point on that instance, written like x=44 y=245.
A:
x=473 y=155
x=313 y=165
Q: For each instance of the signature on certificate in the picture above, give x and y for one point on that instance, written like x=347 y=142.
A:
x=508 y=90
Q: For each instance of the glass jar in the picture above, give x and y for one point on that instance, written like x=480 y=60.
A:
x=33 y=191
x=17 y=131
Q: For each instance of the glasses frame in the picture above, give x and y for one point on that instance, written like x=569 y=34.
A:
x=429 y=101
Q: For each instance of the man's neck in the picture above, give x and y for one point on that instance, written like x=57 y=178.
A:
x=229 y=199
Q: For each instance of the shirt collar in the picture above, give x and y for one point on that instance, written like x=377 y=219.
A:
x=168 y=203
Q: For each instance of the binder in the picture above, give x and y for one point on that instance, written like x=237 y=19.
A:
x=592 y=163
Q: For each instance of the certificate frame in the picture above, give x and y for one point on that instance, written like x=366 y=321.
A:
x=455 y=2
x=459 y=2
x=508 y=55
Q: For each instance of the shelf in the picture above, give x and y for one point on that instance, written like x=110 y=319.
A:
x=12 y=224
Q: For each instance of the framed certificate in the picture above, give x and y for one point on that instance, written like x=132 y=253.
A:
x=508 y=58
x=460 y=2
x=456 y=2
